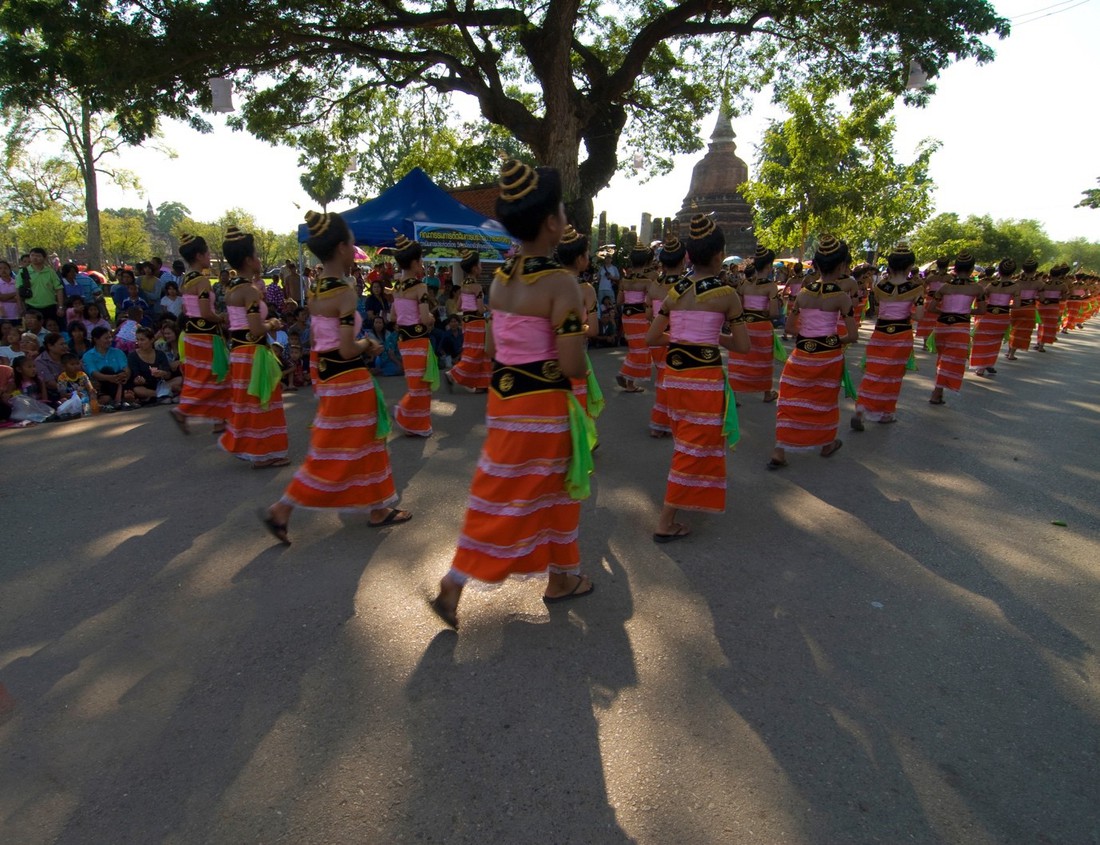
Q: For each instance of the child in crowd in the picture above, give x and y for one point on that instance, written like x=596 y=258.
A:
x=126 y=336
x=75 y=311
x=27 y=381
x=297 y=375
x=172 y=302
x=74 y=381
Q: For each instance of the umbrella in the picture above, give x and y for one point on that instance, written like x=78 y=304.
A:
x=360 y=255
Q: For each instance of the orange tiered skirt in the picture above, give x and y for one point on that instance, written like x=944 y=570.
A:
x=1076 y=310
x=347 y=466
x=754 y=371
x=474 y=367
x=252 y=433
x=989 y=334
x=807 y=414
x=1049 y=317
x=888 y=353
x=1023 y=324
x=413 y=413
x=202 y=395
x=696 y=409
x=659 y=422
x=636 y=367
x=519 y=519
x=927 y=322
x=952 y=348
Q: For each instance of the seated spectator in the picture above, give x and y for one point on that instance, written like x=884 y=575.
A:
x=53 y=327
x=10 y=350
x=69 y=282
x=609 y=323
x=148 y=368
x=48 y=363
x=172 y=302
x=150 y=285
x=133 y=300
x=93 y=317
x=74 y=381
x=7 y=388
x=376 y=304
x=450 y=346
x=388 y=362
x=126 y=333
x=109 y=372
x=300 y=326
x=119 y=290
x=74 y=309
x=32 y=323
x=297 y=375
x=11 y=306
x=79 y=342
x=27 y=380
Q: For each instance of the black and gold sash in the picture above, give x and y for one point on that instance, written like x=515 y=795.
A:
x=200 y=325
x=511 y=380
x=330 y=365
x=949 y=319
x=893 y=326
x=692 y=356
x=818 y=345
x=631 y=309
x=413 y=332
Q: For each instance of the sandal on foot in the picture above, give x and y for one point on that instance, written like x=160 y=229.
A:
x=936 y=401
x=272 y=462
x=887 y=420
x=449 y=615
x=573 y=594
x=394 y=517
x=278 y=529
x=179 y=418
x=832 y=449
x=621 y=381
x=774 y=464
x=678 y=533
x=771 y=395
x=856 y=424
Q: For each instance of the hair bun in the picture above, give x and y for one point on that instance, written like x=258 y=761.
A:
x=762 y=252
x=1030 y=265
x=828 y=245
x=1007 y=267
x=701 y=226
x=517 y=180
x=400 y=242
x=467 y=254
x=317 y=223
x=234 y=234
x=902 y=248
x=640 y=251
x=186 y=238
x=570 y=235
x=671 y=244
x=943 y=261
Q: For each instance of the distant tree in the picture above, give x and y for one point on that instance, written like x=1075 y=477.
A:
x=322 y=183
x=52 y=230
x=30 y=183
x=1092 y=198
x=988 y=240
x=125 y=238
x=169 y=214
x=1080 y=252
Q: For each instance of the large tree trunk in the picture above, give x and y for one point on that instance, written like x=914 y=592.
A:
x=91 y=191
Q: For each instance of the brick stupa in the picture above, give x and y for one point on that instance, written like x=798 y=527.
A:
x=714 y=184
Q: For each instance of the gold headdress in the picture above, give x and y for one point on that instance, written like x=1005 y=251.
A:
x=1007 y=267
x=828 y=245
x=701 y=226
x=467 y=254
x=671 y=244
x=186 y=238
x=317 y=223
x=234 y=234
x=517 y=180
x=400 y=242
x=1030 y=265
x=569 y=236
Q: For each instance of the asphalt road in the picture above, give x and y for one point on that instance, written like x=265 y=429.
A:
x=893 y=645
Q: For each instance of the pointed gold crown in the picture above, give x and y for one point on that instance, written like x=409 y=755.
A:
x=701 y=226
x=517 y=180
x=317 y=223
x=570 y=235
x=400 y=242
x=671 y=244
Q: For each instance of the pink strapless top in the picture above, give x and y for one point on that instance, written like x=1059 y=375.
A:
x=1000 y=298
x=521 y=339
x=755 y=302
x=935 y=286
x=191 y=304
x=1052 y=294
x=794 y=288
x=700 y=327
x=634 y=297
x=895 y=309
x=813 y=322
x=468 y=302
x=324 y=332
x=957 y=303
x=1028 y=294
x=238 y=316
x=408 y=311
x=1079 y=292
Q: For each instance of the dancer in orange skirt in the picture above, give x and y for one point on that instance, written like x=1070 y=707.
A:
x=347 y=467
x=413 y=414
x=701 y=407
x=572 y=254
x=521 y=520
x=672 y=257
x=256 y=428
x=933 y=281
x=474 y=367
x=899 y=295
x=990 y=327
x=955 y=300
x=808 y=412
x=1076 y=304
x=754 y=371
x=206 y=390
x=1023 y=312
x=1051 y=299
x=632 y=290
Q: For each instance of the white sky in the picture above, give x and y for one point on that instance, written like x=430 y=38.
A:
x=1019 y=141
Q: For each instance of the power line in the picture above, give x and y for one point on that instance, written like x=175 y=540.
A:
x=1050 y=14
x=1036 y=11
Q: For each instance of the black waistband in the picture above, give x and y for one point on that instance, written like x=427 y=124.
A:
x=998 y=309
x=817 y=345
x=243 y=337
x=756 y=316
x=1050 y=301
x=510 y=380
x=691 y=356
x=633 y=308
x=1025 y=302
x=893 y=326
x=200 y=325
x=330 y=365
x=472 y=316
x=950 y=319
x=413 y=332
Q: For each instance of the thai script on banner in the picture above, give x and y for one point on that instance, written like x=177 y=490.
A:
x=441 y=241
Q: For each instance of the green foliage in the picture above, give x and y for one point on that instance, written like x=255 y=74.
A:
x=322 y=183
x=32 y=183
x=823 y=170
x=169 y=214
x=125 y=238
x=1085 y=254
x=558 y=76
x=1092 y=198
x=988 y=240
x=50 y=229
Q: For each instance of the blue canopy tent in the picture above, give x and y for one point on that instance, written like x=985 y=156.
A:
x=421 y=210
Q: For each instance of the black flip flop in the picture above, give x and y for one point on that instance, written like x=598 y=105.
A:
x=679 y=534
x=774 y=464
x=278 y=529
x=836 y=444
x=572 y=594
x=394 y=517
